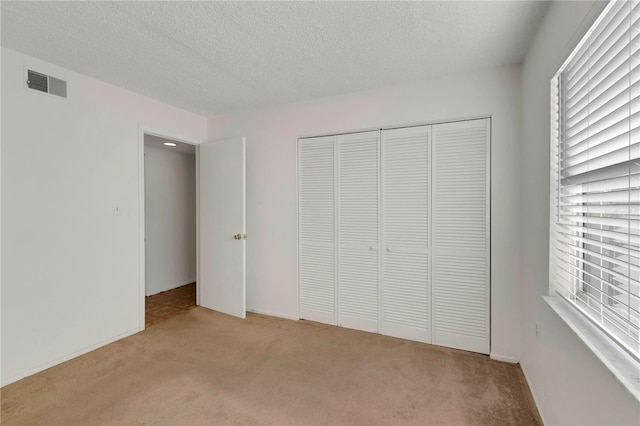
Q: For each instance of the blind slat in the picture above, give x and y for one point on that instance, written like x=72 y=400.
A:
x=626 y=168
x=588 y=290
x=618 y=248
x=615 y=15
x=632 y=240
x=632 y=180
x=618 y=88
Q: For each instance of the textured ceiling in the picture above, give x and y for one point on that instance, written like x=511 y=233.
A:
x=216 y=57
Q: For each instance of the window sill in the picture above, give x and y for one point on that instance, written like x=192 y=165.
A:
x=620 y=363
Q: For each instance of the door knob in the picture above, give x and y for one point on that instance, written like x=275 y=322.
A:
x=237 y=237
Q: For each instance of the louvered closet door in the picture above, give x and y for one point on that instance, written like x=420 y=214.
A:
x=460 y=235
x=358 y=231
x=316 y=231
x=405 y=234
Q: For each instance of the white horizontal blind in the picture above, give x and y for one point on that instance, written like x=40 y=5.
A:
x=316 y=231
x=358 y=230
x=460 y=235
x=595 y=243
x=405 y=292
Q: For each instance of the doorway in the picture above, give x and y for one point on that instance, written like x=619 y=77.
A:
x=170 y=228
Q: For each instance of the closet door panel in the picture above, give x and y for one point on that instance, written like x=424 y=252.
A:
x=358 y=289
x=405 y=233
x=460 y=263
x=358 y=230
x=316 y=233
x=405 y=296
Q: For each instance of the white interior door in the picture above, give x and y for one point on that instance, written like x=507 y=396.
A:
x=222 y=257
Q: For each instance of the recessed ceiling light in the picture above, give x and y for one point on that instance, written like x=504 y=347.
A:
x=170 y=144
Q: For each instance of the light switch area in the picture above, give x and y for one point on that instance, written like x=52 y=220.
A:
x=116 y=210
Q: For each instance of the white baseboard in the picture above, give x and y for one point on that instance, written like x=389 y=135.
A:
x=533 y=394
x=503 y=358
x=174 y=286
x=273 y=314
x=42 y=367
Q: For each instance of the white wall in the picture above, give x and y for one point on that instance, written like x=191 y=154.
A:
x=570 y=385
x=70 y=276
x=170 y=219
x=271 y=179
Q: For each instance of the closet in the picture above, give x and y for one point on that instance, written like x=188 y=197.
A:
x=394 y=232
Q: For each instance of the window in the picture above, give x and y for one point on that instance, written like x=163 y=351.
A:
x=595 y=232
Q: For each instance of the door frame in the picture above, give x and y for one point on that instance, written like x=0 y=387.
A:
x=145 y=130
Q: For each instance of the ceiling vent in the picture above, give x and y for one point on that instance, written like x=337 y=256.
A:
x=46 y=83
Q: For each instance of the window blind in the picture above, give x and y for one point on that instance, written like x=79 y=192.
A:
x=595 y=240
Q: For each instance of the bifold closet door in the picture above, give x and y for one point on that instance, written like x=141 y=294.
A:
x=316 y=232
x=394 y=232
x=405 y=234
x=460 y=235
x=357 y=207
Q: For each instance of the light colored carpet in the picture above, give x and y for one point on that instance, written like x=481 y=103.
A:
x=203 y=367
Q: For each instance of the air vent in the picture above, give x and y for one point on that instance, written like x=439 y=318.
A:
x=47 y=84
x=57 y=87
x=37 y=81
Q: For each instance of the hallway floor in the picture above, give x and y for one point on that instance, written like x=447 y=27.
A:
x=168 y=304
